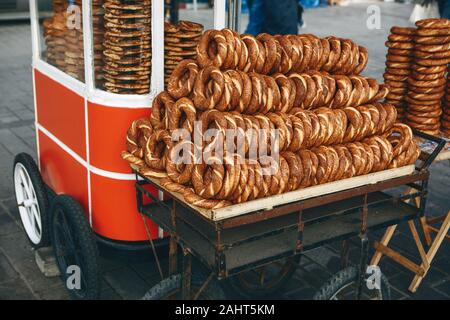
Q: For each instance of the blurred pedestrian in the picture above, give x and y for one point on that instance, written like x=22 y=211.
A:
x=274 y=16
x=444 y=8
x=281 y=16
x=256 y=17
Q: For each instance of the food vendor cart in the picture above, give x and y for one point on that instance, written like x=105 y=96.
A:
x=80 y=192
x=78 y=124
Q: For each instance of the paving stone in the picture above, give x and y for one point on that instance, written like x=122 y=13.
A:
x=294 y=284
x=6 y=120
x=107 y=264
x=312 y=275
x=7 y=271
x=326 y=258
x=16 y=247
x=10 y=206
x=435 y=277
x=6 y=167
x=305 y=293
x=428 y=293
x=442 y=261
x=397 y=295
x=444 y=288
x=57 y=292
x=149 y=271
x=15 y=289
x=127 y=283
x=26 y=133
x=109 y=294
x=7 y=225
x=389 y=268
x=13 y=143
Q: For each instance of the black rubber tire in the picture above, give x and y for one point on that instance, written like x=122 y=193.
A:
x=39 y=187
x=67 y=214
x=171 y=286
x=346 y=277
x=237 y=286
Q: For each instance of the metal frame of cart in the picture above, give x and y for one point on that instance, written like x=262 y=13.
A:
x=253 y=238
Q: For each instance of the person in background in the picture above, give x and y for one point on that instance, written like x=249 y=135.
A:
x=256 y=17
x=274 y=16
x=444 y=8
x=301 y=22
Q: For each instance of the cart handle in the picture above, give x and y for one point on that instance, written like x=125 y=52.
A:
x=430 y=157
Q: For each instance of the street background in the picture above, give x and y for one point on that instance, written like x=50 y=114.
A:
x=19 y=275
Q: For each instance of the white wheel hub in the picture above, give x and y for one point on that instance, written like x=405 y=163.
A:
x=27 y=203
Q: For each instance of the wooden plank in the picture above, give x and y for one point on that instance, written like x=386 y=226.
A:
x=294 y=196
x=384 y=241
x=433 y=250
x=326 y=188
x=436 y=230
x=433 y=220
x=397 y=257
x=419 y=245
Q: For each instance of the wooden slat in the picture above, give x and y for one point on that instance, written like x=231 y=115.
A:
x=294 y=196
x=432 y=251
x=397 y=257
x=419 y=245
x=311 y=192
x=384 y=241
x=434 y=220
x=436 y=230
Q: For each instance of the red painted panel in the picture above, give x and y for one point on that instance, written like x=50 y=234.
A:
x=61 y=111
x=107 y=131
x=63 y=173
x=114 y=210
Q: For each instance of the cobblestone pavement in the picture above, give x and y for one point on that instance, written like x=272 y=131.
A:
x=19 y=276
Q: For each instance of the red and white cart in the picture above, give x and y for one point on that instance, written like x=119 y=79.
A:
x=80 y=132
x=81 y=193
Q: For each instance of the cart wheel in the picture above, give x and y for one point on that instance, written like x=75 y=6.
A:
x=170 y=289
x=75 y=249
x=342 y=286
x=265 y=280
x=32 y=200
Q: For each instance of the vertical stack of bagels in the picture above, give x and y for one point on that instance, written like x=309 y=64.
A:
x=398 y=66
x=127 y=46
x=422 y=89
x=180 y=43
x=54 y=35
x=98 y=30
x=445 y=120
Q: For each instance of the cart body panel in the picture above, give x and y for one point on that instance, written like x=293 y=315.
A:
x=79 y=144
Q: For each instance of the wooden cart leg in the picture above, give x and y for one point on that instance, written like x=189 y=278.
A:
x=426 y=230
x=173 y=246
x=362 y=265
x=432 y=252
x=415 y=234
x=384 y=241
x=173 y=261
x=186 y=276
